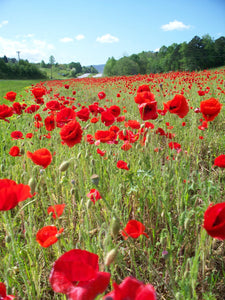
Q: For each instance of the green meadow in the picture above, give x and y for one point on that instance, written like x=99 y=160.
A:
x=168 y=190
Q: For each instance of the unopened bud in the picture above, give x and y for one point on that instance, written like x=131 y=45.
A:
x=8 y=239
x=110 y=257
x=89 y=203
x=32 y=184
x=78 y=155
x=115 y=227
x=64 y=166
x=95 y=179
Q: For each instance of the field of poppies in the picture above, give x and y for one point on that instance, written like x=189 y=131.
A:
x=113 y=188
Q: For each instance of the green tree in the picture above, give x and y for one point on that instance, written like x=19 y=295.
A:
x=51 y=62
x=109 y=69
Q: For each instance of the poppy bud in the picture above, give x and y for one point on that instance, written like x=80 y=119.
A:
x=95 y=179
x=22 y=151
x=8 y=239
x=32 y=184
x=110 y=257
x=72 y=191
x=124 y=131
x=2 y=168
x=115 y=227
x=148 y=139
x=89 y=203
x=78 y=155
x=64 y=166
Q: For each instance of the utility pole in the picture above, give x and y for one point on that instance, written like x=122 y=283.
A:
x=18 y=52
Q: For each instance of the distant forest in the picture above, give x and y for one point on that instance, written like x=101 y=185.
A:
x=198 y=54
x=10 y=68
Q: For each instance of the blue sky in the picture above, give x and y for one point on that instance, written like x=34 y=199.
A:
x=91 y=31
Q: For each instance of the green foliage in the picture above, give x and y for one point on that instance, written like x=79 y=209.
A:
x=198 y=54
x=20 y=70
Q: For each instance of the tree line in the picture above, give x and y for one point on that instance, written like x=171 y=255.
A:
x=198 y=54
x=10 y=68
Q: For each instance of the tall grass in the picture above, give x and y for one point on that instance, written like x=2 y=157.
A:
x=167 y=191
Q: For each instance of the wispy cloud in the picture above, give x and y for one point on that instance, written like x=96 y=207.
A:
x=175 y=25
x=3 y=23
x=80 y=37
x=107 y=38
x=66 y=40
x=32 y=49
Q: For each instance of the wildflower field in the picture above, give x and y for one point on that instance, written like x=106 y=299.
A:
x=113 y=188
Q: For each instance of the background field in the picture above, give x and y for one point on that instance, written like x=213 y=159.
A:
x=165 y=190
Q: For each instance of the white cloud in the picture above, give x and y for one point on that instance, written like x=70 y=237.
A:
x=3 y=23
x=175 y=25
x=156 y=50
x=66 y=40
x=33 y=50
x=107 y=38
x=80 y=37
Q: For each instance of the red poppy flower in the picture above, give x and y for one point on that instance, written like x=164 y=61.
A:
x=131 y=289
x=94 y=120
x=101 y=95
x=53 y=105
x=76 y=274
x=11 y=96
x=31 y=109
x=3 y=294
x=16 y=135
x=107 y=118
x=100 y=152
x=105 y=136
x=71 y=133
x=17 y=108
x=122 y=165
x=127 y=135
x=48 y=235
x=120 y=119
x=115 y=110
x=89 y=138
x=143 y=88
x=66 y=86
x=50 y=123
x=174 y=145
x=148 y=111
x=14 y=151
x=178 y=105
x=220 y=161
x=126 y=146
x=12 y=193
x=149 y=125
x=56 y=210
x=214 y=221
x=29 y=135
x=93 y=108
x=37 y=117
x=144 y=97
x=5 y=112
x=64 y=116
x=38 y=92
x=83 y=114
x=94 y=195
x=134 y=124
x=134 y=229
x=41 y=157
x=210 y=109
